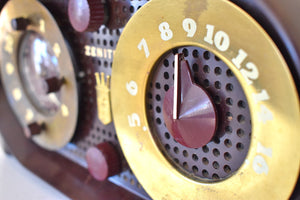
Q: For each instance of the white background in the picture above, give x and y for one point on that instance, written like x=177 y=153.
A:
x=17 y=183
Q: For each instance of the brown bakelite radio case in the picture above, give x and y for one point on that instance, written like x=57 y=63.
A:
x=153 y=99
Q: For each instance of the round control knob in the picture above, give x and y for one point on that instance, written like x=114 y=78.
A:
x=86 y=15
x=188 y=111
x=103 y=161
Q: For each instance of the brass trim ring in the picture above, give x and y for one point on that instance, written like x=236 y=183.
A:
x=272 y=166
x=61 y=127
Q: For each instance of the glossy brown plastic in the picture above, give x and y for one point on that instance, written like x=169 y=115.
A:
x=68 y=177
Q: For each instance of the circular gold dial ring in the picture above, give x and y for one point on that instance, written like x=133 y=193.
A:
x=19 y=17
x=271 y=167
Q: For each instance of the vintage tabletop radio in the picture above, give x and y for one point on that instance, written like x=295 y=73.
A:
x=160 y=99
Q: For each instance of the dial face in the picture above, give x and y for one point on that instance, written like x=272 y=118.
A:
x=37 y=64
x=37 y=74
x=247 y=103
x=210 y=158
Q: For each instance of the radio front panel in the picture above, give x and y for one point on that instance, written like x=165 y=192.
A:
x=153 y=99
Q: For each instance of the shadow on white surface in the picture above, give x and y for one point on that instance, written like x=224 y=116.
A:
x=17 y=183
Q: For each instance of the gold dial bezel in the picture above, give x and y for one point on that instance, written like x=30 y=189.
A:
x=271 y=167
x=60 y=128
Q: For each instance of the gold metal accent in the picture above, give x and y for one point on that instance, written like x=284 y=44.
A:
x=9 y=43
x=263 y=175
x=65 y=110
x=59 y=129
x=56 y=50
x=17 y=94
x=9 y=68
x=103 y=98
x=42 y=26
x=29 y=115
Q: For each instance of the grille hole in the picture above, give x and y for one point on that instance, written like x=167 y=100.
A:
x=195 y=169
x=176 y=150
x=185 y=165
x=132 y=182
x=240 y=146
x=228 y=143
x=240 y=132
x=166 y=75
x=216 y=140
x=195 y=67
x=111 y=43
x=228 y=129
x=206 y=69
x=158 y=121
x=206 y=83
x=205 y=173
x=157 y=97
x=215 y=177
x=217 y=58
x=150 y=107
x=217 y=99
x=158 y=109
x=216 y=165
x=241 y=119
x=205 y=149
x=131 y=9
x=157 y=85
x=206 y=55
x=185 y=52
x=167 y=135
x=195 y=54
x=205 y=161
x=166 y=63
x=227 y=169
x=218 y=71
x=195 y=157
x=167 y=146
x=227 y=156
x=166 y=87
x=241 y=104
x=229 y=116
x=216 y=152
x=229 y=101
x=185 y=153
x=175 y=51
x=218 y=85
x=229 y=87
x=229 y=73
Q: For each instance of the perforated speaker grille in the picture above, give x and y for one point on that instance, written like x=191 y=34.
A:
x=90 y=131
x=221 y=157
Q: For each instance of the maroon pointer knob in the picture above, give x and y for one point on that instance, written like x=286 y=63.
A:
x=188 y=111
x=86 y=15
x=34 y=129
x=103 y=161
x=20 y=24
x=54 y=84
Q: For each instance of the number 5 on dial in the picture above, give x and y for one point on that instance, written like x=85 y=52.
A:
x=134 y=120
